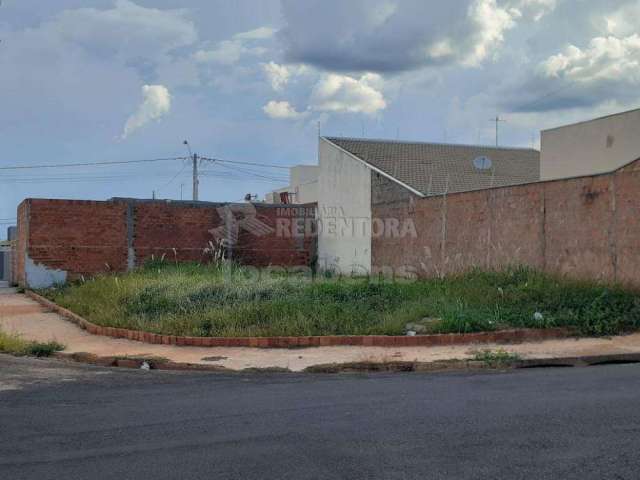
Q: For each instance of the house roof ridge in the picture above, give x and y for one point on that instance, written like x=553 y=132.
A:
x=418 y=142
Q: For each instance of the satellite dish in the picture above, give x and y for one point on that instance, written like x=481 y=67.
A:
x=482 y=163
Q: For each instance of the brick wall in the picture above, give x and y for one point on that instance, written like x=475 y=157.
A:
x=587 y=227
x=69 y=238
x=162 y=227
x=289 y=247
x=22 y=232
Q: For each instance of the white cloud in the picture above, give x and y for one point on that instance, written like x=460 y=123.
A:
x=280 y=75
x=341 y=93
x=535 y=9
x=606 y=58
x=481 y=36
x=282 y=110
x=156 y=102
x=490 y=22
x=334 y=93
x=127 y=30
x=228 y=52
x=623 y=21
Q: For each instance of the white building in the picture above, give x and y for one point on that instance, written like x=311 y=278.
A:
x=359 y=174
x=302 y=188
x=586 y=148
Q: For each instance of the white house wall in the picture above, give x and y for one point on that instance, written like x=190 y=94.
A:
x=344 y=211
x=592 y=147
x=304 y=183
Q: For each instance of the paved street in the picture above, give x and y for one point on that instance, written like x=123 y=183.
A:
x=78 y=422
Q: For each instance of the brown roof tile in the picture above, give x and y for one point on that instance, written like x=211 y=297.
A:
x=434 y=169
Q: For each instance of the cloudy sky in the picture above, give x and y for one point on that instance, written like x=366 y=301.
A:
x=109 y=80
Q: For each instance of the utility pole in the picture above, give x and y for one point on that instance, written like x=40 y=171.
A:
x=497 y=120
x=195 y=177
x=194 y=159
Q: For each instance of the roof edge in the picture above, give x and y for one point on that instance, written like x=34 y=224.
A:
x=375 y=169
x=582 y=122
x=411 y=142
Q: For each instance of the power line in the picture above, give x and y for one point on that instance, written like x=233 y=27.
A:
x=235 y=177
x=252 y=173
x=123 y=162
x=536 y=101
x=89 y=164
x=77 y=179
x=174 y=177
x=267 y=165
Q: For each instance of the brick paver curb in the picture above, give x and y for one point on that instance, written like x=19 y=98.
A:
x=445 y=339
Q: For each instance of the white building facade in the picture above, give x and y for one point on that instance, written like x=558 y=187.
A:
x=596 y=146
x=344 y=211
x=302 y=188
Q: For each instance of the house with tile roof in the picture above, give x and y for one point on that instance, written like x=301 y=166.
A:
x=356 y=174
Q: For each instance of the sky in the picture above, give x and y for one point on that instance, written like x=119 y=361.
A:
x=86 y=81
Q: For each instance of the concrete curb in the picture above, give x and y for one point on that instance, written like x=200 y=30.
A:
x=136 y=362
x=452 y=365
x=446 y=339
x=466 y=365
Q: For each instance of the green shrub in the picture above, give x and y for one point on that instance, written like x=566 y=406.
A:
x=46 y=349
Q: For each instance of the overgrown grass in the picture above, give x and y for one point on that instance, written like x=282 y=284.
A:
x=201 y=300
x=16 y=345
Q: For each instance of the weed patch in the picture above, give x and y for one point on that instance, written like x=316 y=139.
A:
x=496 y=358
x=16 y=345
x=227 y=300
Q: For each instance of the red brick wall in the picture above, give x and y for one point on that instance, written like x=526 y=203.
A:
x=79 y=237
x=587 y=227
x=18 y=257
x=278 y=249
x=90 y=237
x=162 y=227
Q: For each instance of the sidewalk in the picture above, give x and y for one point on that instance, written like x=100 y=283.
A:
x=19 y=314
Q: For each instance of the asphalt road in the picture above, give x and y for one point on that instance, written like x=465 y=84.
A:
x=61 y=421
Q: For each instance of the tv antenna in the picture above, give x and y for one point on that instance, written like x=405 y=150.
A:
x=497 y=120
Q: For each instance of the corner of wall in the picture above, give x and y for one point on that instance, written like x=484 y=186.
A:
x=39 y=276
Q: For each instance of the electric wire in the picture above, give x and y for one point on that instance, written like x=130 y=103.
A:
x=90 y=164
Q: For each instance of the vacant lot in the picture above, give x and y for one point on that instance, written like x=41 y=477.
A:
x=201 y=300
